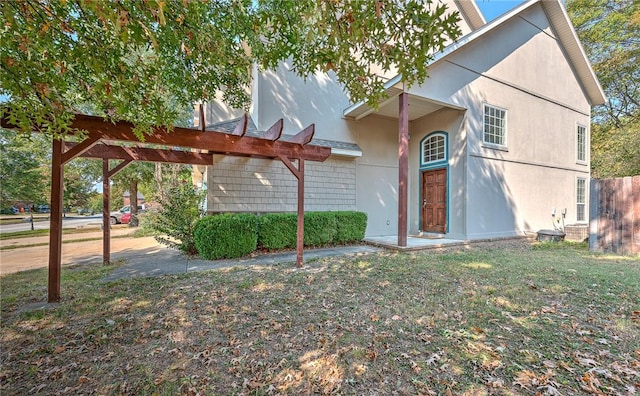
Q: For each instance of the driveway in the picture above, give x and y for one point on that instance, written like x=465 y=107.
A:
x=75 y=250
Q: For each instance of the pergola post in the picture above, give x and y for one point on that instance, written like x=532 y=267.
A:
x=106 y=223
x=299 y=174
x=403 y=167
x=300 y=235
x=55 y=232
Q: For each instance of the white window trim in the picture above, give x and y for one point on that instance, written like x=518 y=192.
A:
x=586 y=199
x=584 y=161
x=446 y=149
x=504 y=146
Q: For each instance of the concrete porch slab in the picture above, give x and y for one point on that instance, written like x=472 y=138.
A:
x=414 y=242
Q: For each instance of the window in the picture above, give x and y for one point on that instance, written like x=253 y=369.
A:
x=495 y=126
x=582 y=143
x=434 y=148
x=581 y=199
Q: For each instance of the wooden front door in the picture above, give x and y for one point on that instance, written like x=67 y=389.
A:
x=434 y=201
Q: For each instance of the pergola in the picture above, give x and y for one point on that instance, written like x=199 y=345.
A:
x=202 y=145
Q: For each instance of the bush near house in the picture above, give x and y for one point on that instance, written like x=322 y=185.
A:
x=228 y=235
x=319 y=228
x=235 y=235
x=278 y=230
x=350 y=226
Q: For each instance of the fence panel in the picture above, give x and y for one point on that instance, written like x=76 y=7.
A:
x=614 y=215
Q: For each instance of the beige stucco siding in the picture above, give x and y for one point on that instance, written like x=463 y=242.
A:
x=509 y=199
x=377 y=173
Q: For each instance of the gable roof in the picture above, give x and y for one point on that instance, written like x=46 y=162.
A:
x=471 y=13
x=565 y=34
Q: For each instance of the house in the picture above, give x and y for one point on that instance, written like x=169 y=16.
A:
x=126 y=198
x=494 y=144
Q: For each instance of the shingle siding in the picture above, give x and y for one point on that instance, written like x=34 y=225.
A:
x=262 y=185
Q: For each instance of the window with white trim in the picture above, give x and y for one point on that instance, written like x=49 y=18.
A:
x=495 y=126
x=581 y=199
x=434 y=148
x=581 y=137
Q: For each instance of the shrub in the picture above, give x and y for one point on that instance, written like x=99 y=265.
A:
x=319 y=228
x=175 y=220
x=228 y=235
x=278 y=230
x=350 y=226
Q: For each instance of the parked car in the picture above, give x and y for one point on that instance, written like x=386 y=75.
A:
x=119 y=216
x=43 y=209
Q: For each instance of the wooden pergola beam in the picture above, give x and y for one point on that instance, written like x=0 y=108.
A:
x=214 y=142
x=146 y=154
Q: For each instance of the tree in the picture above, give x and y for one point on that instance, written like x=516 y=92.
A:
x=126 y=59
x=24 y=176
x=610 y=33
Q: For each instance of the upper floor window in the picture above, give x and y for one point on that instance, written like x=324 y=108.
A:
x=581 y=138
x=434 y=148
x=495 y=126
x=581 y=199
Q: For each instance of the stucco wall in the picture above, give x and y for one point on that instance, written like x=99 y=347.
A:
x=377 y=173
x=507 y=199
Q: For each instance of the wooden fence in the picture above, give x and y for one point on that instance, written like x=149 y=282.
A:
x=614 y=215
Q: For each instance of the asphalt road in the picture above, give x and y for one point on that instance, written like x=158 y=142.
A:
x=67 y=222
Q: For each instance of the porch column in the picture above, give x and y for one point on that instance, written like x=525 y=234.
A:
x=403 y=166
x=55 y=231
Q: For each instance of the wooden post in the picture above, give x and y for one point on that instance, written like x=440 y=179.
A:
x=299 y=174
x=403 y=166
x=300 y=236
x=55 y=232
x=106 y=221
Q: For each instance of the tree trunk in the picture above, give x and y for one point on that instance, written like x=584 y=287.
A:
x=133 y=196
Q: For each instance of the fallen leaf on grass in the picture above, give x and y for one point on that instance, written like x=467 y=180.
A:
x=528 y=378
x=546 y=309
x=590 y=383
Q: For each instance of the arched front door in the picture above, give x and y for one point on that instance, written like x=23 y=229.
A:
x=433 y=182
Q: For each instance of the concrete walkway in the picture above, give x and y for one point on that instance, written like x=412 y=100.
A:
x=142 y=257
x=149 y=262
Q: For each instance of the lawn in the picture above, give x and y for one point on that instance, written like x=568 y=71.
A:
x=509 y=318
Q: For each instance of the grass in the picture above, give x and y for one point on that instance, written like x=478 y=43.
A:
x=490 y=319
x=43 y=232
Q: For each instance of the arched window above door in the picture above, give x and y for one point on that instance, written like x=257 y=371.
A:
x=433 y=149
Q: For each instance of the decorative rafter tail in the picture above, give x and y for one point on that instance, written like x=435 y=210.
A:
x=304 y=136
x=241 y=128
x=275 y=131
x=202 y=120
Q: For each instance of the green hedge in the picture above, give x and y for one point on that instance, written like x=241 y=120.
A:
x=350 y=226
x=319 y=228
x=278 y=230
x=228 y=235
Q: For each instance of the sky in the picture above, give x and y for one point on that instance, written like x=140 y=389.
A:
x=492 y=9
